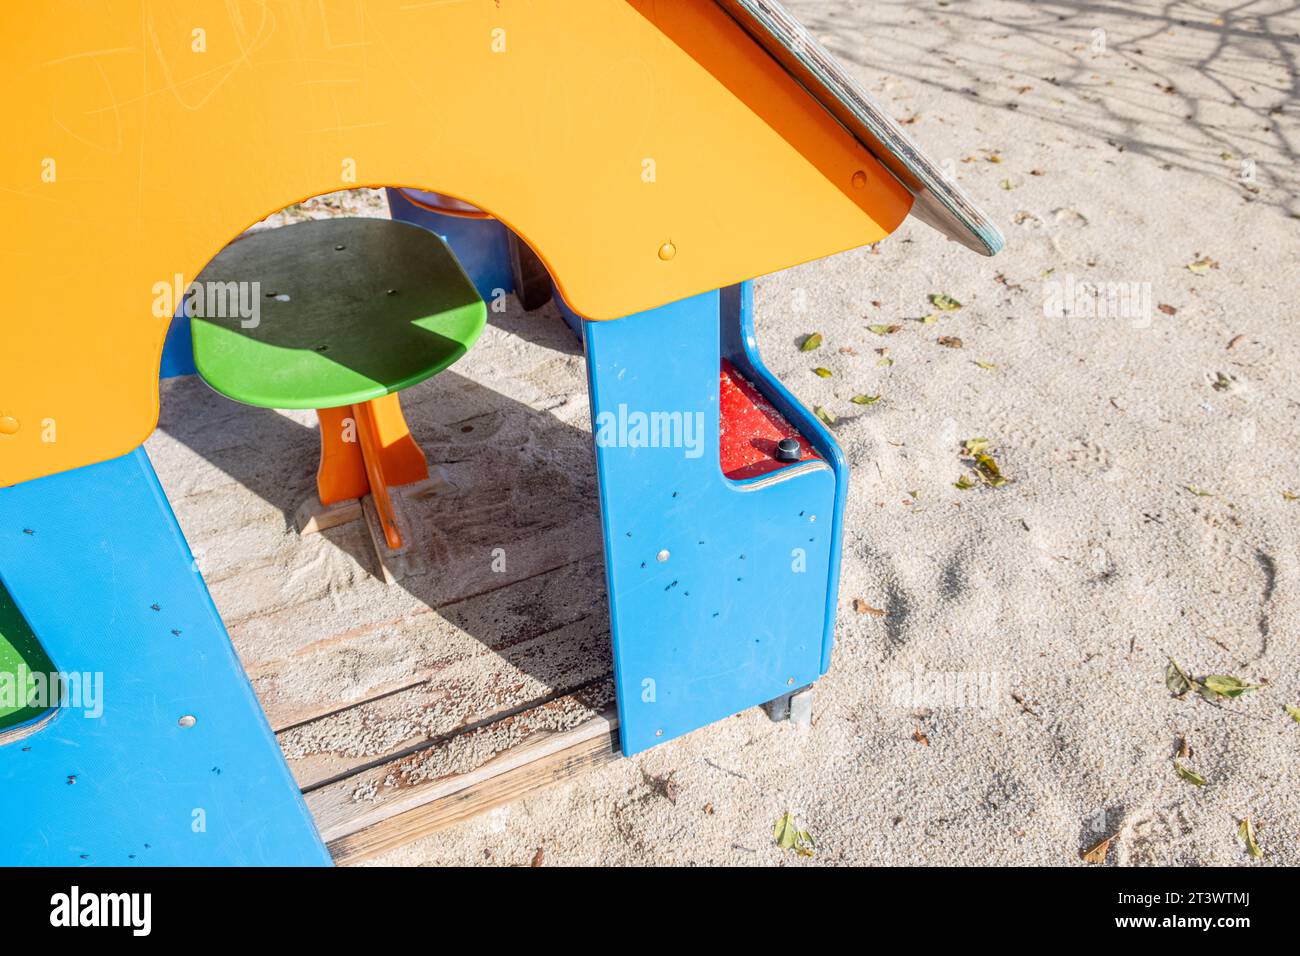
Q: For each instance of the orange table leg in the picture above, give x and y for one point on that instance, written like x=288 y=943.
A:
x=342 y=471
x=371 y=452
x=368 y=448
x=402 y=459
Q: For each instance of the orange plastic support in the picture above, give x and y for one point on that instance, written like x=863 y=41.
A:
x=367 y=449
x=371 y=453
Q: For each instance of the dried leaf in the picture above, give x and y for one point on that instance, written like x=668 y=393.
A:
x=862 y=607
x=813 y=341
x=1294 y=712
x=950 y=341
x=1097 y=853
x=1006 y=184
x=963 y=483
x=1225 y=685
x=806 y=844
x=1167 y=309
x=785 y=832
x=883 y=329
x=930 y=319
x=943 y=302
x=1199 y=492
x=989 y=471
x=1177 y=682
x=788 y=836
x=985 y=365
x=973 y=446
x=1202 y=266
x=864 y=399
x=1191 y=776
x=822 y=372
x=993 y=158
x=825 y=415
x=1289 y=495
x=920 y=738
x=885 y=361
x=1247 y=833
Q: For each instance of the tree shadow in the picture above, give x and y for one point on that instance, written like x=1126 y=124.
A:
x=934 y=48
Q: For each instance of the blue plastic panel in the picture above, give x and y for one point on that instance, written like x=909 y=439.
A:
x=178 y=349
x=735 y=614
x=95 y=561
x=482 y=246
x=740 y=347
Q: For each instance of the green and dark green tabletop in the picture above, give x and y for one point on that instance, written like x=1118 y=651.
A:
x=346 y=310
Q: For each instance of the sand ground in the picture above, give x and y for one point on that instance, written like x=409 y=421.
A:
x=1009 y=705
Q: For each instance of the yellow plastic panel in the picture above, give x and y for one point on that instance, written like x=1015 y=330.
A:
x=647 y=150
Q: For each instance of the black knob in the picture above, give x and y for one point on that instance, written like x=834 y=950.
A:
x=787 y=449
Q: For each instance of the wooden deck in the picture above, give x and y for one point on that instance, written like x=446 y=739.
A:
x=406 y=707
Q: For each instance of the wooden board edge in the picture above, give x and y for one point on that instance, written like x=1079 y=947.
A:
x=333 y=825
x=586 y=747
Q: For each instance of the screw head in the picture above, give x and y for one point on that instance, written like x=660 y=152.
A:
x=667 y=251
x=787 y=449
x=662 y=556
x=189 y=720
x=8 y=425
x=859 y=179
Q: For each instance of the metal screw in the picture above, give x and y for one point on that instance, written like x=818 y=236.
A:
x=787 y=449
x=667 y=251
x=662 y=555
x=859 y=179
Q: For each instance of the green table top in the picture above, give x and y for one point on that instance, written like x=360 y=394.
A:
x=345 y=310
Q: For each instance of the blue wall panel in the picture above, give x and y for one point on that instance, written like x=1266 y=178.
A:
x=736 y=613
x=96 y=563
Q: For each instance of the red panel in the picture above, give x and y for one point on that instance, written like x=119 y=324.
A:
x=751 y=427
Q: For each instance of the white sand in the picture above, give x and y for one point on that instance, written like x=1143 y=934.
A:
x=1067 y=588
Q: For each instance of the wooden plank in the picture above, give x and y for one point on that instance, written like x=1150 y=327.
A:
x=480 y=796
x=471 y=692
x=519 y=479
x=407 y=783
x=388 y=654
x=312 y=517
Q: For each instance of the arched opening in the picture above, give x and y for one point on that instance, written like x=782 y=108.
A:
x=490 y=634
